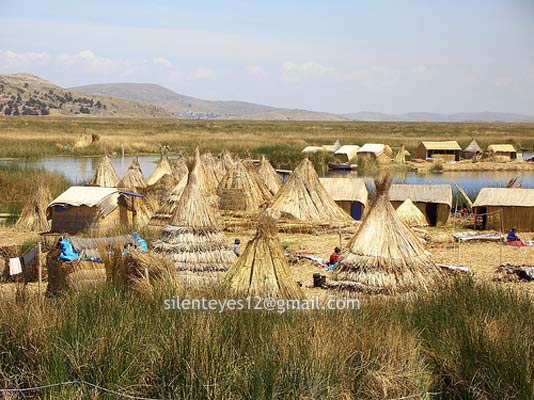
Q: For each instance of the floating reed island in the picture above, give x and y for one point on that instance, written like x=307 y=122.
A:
x=105 y=175
x=385 y=256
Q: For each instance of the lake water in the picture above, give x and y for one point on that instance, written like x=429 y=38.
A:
x=81 y=170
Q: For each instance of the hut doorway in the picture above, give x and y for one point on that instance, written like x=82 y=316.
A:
x=356 y=211
x=432 y=214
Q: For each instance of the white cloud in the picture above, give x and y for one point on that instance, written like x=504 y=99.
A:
x=256 y=71
x=11 y=61
x=163 y=61
x=87 y=60
x=420 y=69
x=305 y=71
x=202 y=73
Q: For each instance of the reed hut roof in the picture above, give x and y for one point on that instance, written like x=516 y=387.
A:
x=349 y=150
x=263 y=270
x=377 y=149
x=473 y=147
x=505 y=197
x=439 y=194
x=446 y=145
x=501 y=148
x=304 y=198
x=346 y=189
x=336 y=146
x=33 y=216
x=239 y=190
x=105 y=199
x=163 y=168
x=385 y=256
x=105 y=175
x=312 y=149
x=133 y=178
x=410 y=214
x=194 y=237
x=269 y=176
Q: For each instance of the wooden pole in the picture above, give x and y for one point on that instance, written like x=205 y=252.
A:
x=502 y=233
x=340 y=237
x=39 y=268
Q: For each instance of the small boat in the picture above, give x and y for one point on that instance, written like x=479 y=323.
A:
x=342 y=166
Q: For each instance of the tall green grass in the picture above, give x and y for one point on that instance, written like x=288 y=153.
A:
x=465 y=340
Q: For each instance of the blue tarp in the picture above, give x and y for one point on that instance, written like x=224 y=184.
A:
x=67 y=250
x=141 y=241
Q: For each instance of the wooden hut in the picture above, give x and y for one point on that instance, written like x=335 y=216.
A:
x=348 y=193
x=381 y=153
x=515 y=205
x=502 y=152
x=88 y=209
x=446 y=151
x=347 y=153
x=434 y=201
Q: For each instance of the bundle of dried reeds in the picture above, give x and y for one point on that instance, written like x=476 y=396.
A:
x=304 y=198
x=33 y=215
x=239 y=190
x=194 y=238
x=133 y=178
x=163 y=168
x=163 y=215
x=263 y=270
x=226 y=161
x=410 y=214
x=180 y=168
x=213 y=166
x=385 y=256
x=400 y=158
x=269 y=176
x=262 y=187
x=160 y=191
x=105 y=175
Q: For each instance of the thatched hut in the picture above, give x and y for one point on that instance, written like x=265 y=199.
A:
x=381 y=153
x=239 y=191
x=269 y=176
x=263 y=270
x=347 y=153
x=105 y=175
x=33 y=216
x=505 y=208
x=434 y=201
x=349 y=193
x=193 y=237
x=88 y=209
x=385 y=256
x=502 y=152
x=163 y=168
x=312 y=149
x=304 y=198
x=446 y=151
x=410 y=214
x=471 y=150
x=133 y=178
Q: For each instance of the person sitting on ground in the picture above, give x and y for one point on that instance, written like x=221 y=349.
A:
x=237 y=242
x=334 y=258
x=514 y=240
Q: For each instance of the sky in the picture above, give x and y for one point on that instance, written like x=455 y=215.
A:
x=389 y=56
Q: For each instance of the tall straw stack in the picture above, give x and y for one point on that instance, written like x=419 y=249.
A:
x=410 y=214
x=33 y=215
x=164 y=214
x=160 y=191
x=213 y=171
x=239 y=191
x=227 y=161
x=262 y=270
x=180 y=168
x=269 y=176
x=304 y=198
x=105 y=175
x=163 y=168
x=400 y=158
x=385 y=256
x=194 y=238
x=133 y=178
x=262 y=187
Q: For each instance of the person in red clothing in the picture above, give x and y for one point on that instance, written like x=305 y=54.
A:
x=334 y=258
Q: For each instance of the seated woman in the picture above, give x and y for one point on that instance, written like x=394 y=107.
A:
x=513 y=240
x=334 y=258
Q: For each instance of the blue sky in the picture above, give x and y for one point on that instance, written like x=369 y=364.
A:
x=338 y=56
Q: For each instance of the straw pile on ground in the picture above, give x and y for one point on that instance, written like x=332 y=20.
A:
x=164 y=214
x=385 y=256
x=269 y=176
x=180 y=168
x=163 y=168
x=240 y=191
x=33 y=215
x=213 y=166
x=105 y=175
x=194 y=238
x=160 y=191
x=227 y=161
x=253 y=172
x=400 y=158
x=304 y=198
x=263 y=270
x=410 y=214
x=133 y=178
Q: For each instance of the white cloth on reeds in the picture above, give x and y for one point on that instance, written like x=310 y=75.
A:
x=15 y=266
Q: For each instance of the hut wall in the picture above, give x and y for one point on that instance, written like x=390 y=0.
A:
x=521 y=218
x=75 y=220
x=383 y=159
x=445 y=155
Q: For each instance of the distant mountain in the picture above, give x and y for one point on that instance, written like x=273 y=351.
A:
x=191 y=107
x=435 y=117
x=25 y=94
